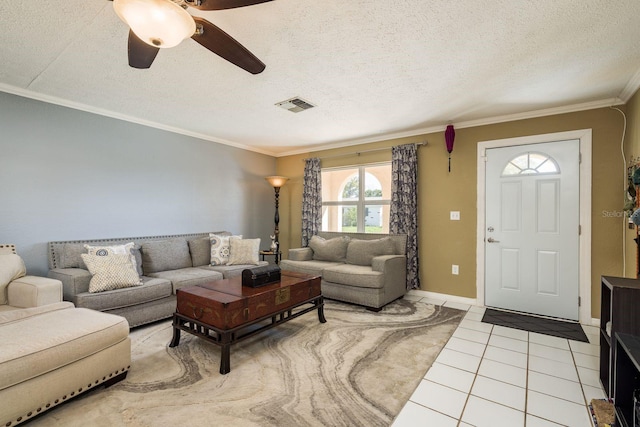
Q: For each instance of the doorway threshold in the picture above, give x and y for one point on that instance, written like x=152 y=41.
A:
x=541 y=325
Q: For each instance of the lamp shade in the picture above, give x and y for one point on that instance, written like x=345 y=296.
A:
x=159 y=23
x=277 y=181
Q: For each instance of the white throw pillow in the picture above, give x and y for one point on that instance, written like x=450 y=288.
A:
x=113 y=250
x=220 y=248
x=243 y=251
x=114 y=271
x=11 y=268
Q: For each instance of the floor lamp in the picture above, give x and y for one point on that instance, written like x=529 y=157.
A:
x=277 y=182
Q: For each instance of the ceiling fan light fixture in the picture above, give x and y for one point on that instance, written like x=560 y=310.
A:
x=159 y=23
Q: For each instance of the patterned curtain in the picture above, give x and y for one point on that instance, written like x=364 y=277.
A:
x=311 y=200
x=404 y=205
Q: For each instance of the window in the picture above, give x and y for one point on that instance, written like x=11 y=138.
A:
x=356 y=199
x=531 y=163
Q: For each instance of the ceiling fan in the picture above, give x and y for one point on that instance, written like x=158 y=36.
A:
x=156 y=24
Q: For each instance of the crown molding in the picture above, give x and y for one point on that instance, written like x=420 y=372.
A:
x=631 y=88
x=633 y=83
x=108 y=113
x=604 y=103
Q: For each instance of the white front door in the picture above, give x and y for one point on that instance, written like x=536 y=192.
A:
x=532 y=228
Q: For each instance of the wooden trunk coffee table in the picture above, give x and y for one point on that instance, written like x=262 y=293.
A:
x=221 y=311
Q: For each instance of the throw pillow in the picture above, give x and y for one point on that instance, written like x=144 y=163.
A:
x=329 y=250
x=114 y=271
x=220 y=248
x=243 y=251
x=11 y=268
x=361 y=252
x=127 y=249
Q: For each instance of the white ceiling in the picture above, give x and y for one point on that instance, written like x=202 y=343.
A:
x=376 y=69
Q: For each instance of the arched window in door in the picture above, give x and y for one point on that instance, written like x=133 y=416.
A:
x=531 y=163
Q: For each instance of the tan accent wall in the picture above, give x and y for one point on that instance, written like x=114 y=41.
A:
x=632 y=154
x=443 y=242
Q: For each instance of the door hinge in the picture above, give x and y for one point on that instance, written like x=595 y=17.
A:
x=579 y=158
x=579 y=230
x=579 y=301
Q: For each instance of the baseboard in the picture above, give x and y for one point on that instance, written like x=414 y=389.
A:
x=444 y=297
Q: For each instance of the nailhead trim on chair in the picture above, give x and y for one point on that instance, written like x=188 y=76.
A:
x=64 y=398
x=12 y=248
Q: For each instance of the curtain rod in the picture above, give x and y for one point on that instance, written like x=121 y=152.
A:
x=417 y=144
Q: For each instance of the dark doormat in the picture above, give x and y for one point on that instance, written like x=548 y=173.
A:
x=540 y=325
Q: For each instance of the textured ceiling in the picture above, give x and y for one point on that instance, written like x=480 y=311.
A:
x=375 y=68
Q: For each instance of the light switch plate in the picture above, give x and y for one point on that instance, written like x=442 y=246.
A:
x=454 y=215
x=455 y=269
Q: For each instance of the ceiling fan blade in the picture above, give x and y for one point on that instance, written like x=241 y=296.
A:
x=141 y=55
x=222 y=44
x=223 y=4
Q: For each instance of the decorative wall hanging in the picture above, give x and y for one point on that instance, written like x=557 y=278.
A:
x=449 y=136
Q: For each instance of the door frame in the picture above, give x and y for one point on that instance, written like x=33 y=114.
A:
x=584 y=256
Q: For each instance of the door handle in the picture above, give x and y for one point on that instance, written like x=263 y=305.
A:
x=492 y=240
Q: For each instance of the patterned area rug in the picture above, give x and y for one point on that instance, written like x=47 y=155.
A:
x=358 y=369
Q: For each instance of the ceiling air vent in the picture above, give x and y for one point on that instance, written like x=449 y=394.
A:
x=295 y=105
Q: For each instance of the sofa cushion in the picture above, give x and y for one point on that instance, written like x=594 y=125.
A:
x=55 y=339
x=150 y=290
x=301 y=254
x=361 y=252
x=23 y=313
x=315 y=268
x=69 y=256
x=187 y=276
x=229 y=271
x=110 y=272
x=162 y=255
x=361 y=276
x=243 y=251
x=334 y=250
x=200 y=250
x=11 y=268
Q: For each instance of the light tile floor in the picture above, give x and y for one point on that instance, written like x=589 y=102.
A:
x=494 y=376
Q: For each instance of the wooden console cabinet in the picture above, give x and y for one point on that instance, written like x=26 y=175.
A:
x=626 y=378
x=620 y=305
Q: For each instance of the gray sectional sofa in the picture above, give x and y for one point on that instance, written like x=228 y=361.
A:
x=359 y=268
x=166 y=263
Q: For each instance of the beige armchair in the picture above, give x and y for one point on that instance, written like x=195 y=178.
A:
x=50 y=349
x=17 y=290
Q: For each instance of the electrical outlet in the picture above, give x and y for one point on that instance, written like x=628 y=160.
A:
x=455 y=269
x=454 y=215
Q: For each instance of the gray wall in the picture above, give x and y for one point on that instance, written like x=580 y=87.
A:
x=67 y=174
